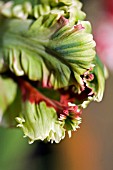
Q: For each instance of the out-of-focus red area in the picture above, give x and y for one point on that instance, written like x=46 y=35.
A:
x=108 y=6
x=103 y=32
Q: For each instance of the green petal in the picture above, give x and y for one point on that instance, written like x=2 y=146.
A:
x=42 y=52
x=68 y=8
x=8 y=92
x=40 y=122
x=99 y=80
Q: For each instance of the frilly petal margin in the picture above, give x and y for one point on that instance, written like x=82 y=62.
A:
x=40 y=122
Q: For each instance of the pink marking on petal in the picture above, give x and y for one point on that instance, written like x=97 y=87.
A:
x=91 y=93
x=62 y=117
x=78 y=27
x=66 y=112
x=73 y=108
x=77 y=117
x=91 y=77
x=63 y=21
x=82 y=88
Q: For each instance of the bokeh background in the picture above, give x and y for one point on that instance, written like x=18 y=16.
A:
x=91 y=147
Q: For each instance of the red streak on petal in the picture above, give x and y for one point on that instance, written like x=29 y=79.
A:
x=33 y=95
